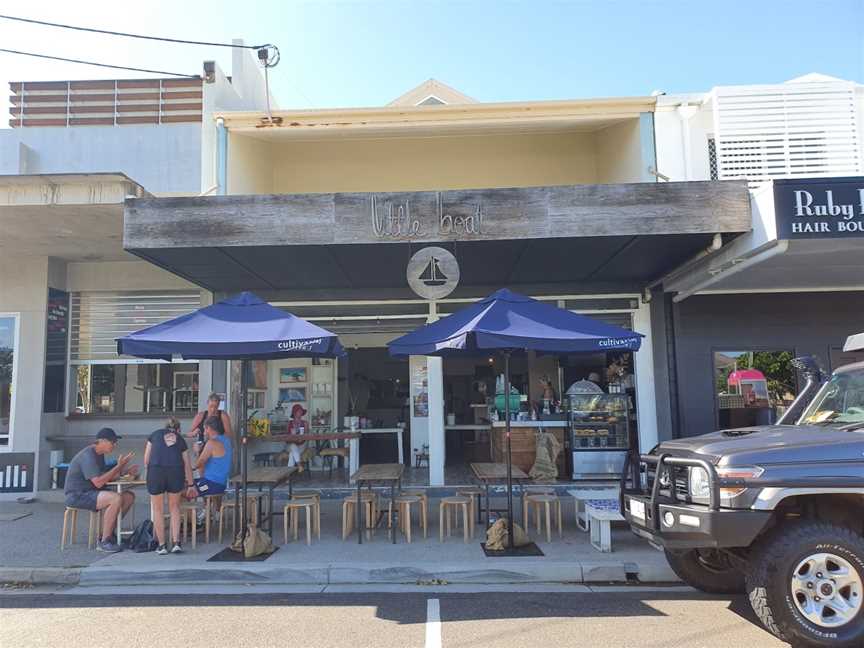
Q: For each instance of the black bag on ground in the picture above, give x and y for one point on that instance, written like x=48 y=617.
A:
x=142 y=538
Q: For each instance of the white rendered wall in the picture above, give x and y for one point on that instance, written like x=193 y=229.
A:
x=682 y=126
x=164 y=159
x=122 y=275
x=24 y=290
x=646 y=396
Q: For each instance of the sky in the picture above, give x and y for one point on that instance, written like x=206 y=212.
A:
x=366 y=53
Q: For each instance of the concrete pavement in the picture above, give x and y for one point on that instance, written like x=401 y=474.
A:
x=33 y=542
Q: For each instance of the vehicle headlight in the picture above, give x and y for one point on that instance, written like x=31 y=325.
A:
x=737 y=472
x=699 y=485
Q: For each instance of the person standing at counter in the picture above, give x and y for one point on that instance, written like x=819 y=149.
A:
x=548 y=398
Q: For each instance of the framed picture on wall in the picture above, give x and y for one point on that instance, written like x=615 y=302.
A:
x=292 y=375
x=292 y=394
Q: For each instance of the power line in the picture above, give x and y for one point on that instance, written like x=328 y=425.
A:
x=128 y=35
x=104 y=65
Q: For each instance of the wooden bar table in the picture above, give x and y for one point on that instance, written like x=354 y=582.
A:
x=490 y=473
x=270 y=477
x=383 y=473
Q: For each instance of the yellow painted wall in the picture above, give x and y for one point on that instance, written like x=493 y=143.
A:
x=250 y=166
x=619 y=151
x=410 y=164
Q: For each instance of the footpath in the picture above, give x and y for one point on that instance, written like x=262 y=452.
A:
x=30 y=554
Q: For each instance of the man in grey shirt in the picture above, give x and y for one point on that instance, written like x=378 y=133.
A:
x=86 y=479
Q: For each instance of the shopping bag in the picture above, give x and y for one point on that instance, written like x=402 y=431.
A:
x=257 y=543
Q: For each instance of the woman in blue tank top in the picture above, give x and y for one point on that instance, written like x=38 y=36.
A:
x=215 y=460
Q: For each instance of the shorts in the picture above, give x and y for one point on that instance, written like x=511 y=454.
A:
x=206 y=487
x=83 y=499
x=165 y=479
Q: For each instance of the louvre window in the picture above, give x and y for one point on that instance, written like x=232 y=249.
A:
x=780 y=131
x=102 y=382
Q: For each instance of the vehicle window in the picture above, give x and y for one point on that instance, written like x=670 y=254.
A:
x=840 y=401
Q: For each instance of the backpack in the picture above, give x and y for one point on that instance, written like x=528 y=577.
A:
x=142 y=539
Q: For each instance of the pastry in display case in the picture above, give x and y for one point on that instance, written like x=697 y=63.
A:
x=599 y=433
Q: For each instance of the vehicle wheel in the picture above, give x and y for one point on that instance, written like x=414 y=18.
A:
x=708 y=570
x=806 y=584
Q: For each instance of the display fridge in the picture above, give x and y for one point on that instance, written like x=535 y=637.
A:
x=599 y=434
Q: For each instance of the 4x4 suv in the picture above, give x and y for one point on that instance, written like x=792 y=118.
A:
x=776 y=511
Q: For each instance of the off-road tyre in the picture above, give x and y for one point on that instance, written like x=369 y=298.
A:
x=708 y=571
x=768 y=580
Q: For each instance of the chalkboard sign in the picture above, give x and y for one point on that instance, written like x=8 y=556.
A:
x=58 y=325
x=56 y=342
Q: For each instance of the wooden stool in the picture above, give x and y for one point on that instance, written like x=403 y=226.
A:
x=424 y=506
x=473 y=493
x=228 y=505
x=545 y=501
x=403 y=508
x=369 y=502
x=329 y=455
x=448 y=505
x=314 y=496
x=189 y=522
x=70 y=525
x=209 y=509
x=527 y=492
x=293 y=509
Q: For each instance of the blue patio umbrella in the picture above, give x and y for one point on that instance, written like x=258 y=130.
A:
x=244 y=327
x=509 y=323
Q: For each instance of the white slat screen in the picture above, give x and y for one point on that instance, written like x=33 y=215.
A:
x=786 y=130
x=100 y=317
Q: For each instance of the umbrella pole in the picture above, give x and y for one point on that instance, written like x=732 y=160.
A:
x=509 y=452
x=243 y=457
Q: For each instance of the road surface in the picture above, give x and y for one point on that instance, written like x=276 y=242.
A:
x=564 y=617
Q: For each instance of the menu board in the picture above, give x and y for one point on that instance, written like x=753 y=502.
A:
x=58 y=326
x=56 y=341
x=420 y=390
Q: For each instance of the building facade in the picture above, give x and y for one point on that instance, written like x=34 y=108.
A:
x=654 y=213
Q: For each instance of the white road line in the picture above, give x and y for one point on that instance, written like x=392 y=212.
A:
x=433 y=623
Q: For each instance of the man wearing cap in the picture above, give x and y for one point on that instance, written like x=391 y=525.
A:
x=86 y=480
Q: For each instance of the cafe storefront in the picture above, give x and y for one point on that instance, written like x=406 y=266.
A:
x=347 y=261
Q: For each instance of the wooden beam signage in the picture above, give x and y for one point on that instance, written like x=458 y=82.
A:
x=819 y=208
x=433 y=216
x=428 y=216
x=394 y=220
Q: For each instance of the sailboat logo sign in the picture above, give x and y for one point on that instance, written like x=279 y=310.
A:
x=433 y=273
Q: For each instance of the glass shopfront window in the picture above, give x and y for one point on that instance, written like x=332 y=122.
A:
x=8 y=338
x=147 y=388
x=753 y=387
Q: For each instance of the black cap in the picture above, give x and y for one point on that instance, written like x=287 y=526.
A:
x=108 y=434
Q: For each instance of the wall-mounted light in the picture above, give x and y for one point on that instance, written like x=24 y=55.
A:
x=209 y=71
